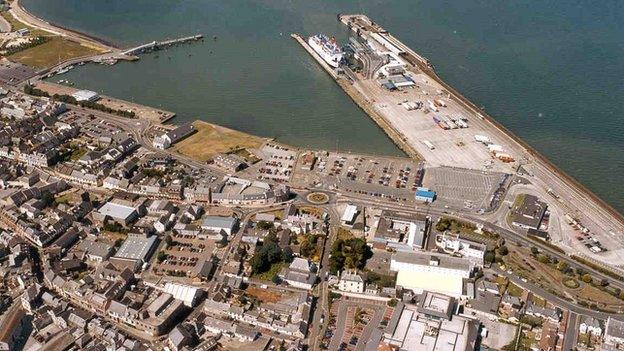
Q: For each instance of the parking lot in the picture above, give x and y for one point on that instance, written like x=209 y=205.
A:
x=389 y=172
x=462 y=188
x=355 y=321
x=184 y=254
x=13 y=73
x=92 y=126
x=385 y=177
x=277 y=163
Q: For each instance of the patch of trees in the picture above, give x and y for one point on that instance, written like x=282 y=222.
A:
x=268 y=254
x=382 y=280
x=30 y=90
x=349 y=253
x=264 y=225
x=26 y=45
x=115 y=227
x=308 y=246
x=453 y=225
x=153 y=173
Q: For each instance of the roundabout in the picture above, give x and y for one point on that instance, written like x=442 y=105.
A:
x=317 y=198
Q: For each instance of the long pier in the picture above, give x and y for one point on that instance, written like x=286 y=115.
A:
x=157 y=45
x=396 y=136
x=118 y=55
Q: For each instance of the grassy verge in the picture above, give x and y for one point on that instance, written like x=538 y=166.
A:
x=598 y=267
x=211 y=139
x=50 y=53
x=15 y=24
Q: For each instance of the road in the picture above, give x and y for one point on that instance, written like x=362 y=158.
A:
x=571 y=335
x=555 y=299
x=5 y=26
x=321 y=291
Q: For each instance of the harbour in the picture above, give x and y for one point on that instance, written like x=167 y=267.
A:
x=447 y=130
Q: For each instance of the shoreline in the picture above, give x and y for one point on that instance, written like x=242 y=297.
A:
x=22 y=14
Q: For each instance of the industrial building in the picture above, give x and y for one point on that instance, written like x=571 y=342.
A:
x=349 y=215
x=230 y=163
x=422 y=271
x=218 y=224
x=433 y=325
x=135 y=251
x=190 y=295
x=123 y=214
x=528 y=212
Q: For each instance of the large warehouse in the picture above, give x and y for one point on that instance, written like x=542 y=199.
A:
x=424 y=271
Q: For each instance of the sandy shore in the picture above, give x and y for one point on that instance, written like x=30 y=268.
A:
x=21 y=14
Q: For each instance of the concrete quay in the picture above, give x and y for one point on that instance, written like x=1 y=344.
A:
x=457 y=147
x=396 y=136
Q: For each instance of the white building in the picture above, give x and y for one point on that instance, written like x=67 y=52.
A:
x=431 y=326
x=453 y=245
x=351 y=281
x=591 y=326
x=420 y=271
x=349 y=215
x=86 y=95
x=161 y=142
x=218 y=224
x=185 y=293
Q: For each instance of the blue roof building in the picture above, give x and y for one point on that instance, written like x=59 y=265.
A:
x=425 y=195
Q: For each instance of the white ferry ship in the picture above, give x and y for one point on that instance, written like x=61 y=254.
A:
x=327 y=48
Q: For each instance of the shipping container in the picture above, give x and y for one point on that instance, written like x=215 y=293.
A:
x=495 y=148
x=482 y=138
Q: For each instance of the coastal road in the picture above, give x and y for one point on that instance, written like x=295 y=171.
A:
x=5 y=26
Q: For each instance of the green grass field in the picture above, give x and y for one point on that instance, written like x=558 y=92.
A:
x=52 y=52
